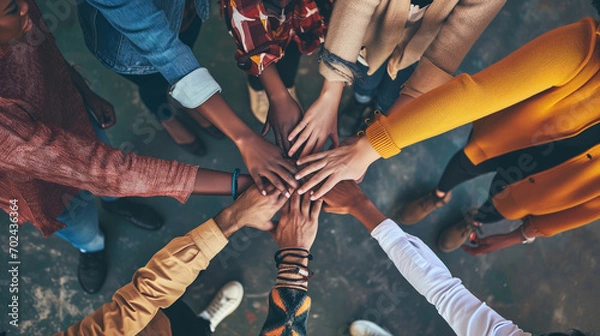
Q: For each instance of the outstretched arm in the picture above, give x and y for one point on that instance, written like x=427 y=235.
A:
x=462 y=100
x=465 y=314
x=171 y=270
x=289 y=305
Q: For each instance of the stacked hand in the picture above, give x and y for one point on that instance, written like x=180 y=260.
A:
x=298 y=223
x=284 y=114
x=250 y=209
x=319 y=122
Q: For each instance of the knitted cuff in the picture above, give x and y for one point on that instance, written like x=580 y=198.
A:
x=381 y=140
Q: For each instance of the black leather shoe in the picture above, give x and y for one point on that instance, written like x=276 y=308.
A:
x=91 y=271
x=140 y=215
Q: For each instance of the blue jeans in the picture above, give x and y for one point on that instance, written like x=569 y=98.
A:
x=81 y=215
x=380 y=86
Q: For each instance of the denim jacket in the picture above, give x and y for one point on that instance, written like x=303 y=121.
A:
x=142 y=37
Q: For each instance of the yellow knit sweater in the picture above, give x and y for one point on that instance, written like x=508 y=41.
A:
x=545 y=91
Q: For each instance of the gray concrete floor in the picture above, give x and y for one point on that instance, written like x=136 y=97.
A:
x=552 y=284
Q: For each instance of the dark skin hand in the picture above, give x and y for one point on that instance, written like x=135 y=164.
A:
x=284 y=112
x=264 y=161
x=494 y=243
x=102 y=110
x=347 y=198
x=214 y=182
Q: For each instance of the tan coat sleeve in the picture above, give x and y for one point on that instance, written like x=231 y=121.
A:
x=346 y=33
x=157 y=285
x=441 y=59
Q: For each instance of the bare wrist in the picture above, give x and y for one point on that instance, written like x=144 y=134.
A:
x=366 y=152
x=227 y=222
x=245 y=137
x=332 y=89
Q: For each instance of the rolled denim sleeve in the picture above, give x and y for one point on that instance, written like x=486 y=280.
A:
x=147 y=27
x=195 y=88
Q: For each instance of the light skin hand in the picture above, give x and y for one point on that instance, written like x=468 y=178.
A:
x=319 y=123
x=298 y=223
x=252 y=210
x=348 y=162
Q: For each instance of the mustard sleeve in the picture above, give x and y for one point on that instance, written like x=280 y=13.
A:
x=550 y=60
x=552 y=224
x=157 y=285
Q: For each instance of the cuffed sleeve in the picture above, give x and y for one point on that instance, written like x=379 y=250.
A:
x=380 y=139
x=195 y=88
x=465 y=314
x=157 y=285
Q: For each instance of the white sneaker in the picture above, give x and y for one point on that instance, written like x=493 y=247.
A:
x=367 y=328
x=225 y=302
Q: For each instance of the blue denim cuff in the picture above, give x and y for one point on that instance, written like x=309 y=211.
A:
x=195 y=88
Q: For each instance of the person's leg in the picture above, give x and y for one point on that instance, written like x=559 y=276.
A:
x=184 y=322
x=365 y=89
x=389 y=90
x=81 y=218
x=458 y=170
x=84 y=233
x=287 y=67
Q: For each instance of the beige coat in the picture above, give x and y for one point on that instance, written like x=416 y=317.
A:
x=446 y=33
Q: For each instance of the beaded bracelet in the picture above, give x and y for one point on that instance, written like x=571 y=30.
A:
x=234 y=183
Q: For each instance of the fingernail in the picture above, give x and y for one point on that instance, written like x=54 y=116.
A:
x=297 y=177
x=300 y=192
x=264 y=193
x=287 y=194
x=312 y=192
x=312 y=198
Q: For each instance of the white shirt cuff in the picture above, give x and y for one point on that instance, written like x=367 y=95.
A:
x=195 y=88
x=384 y=228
